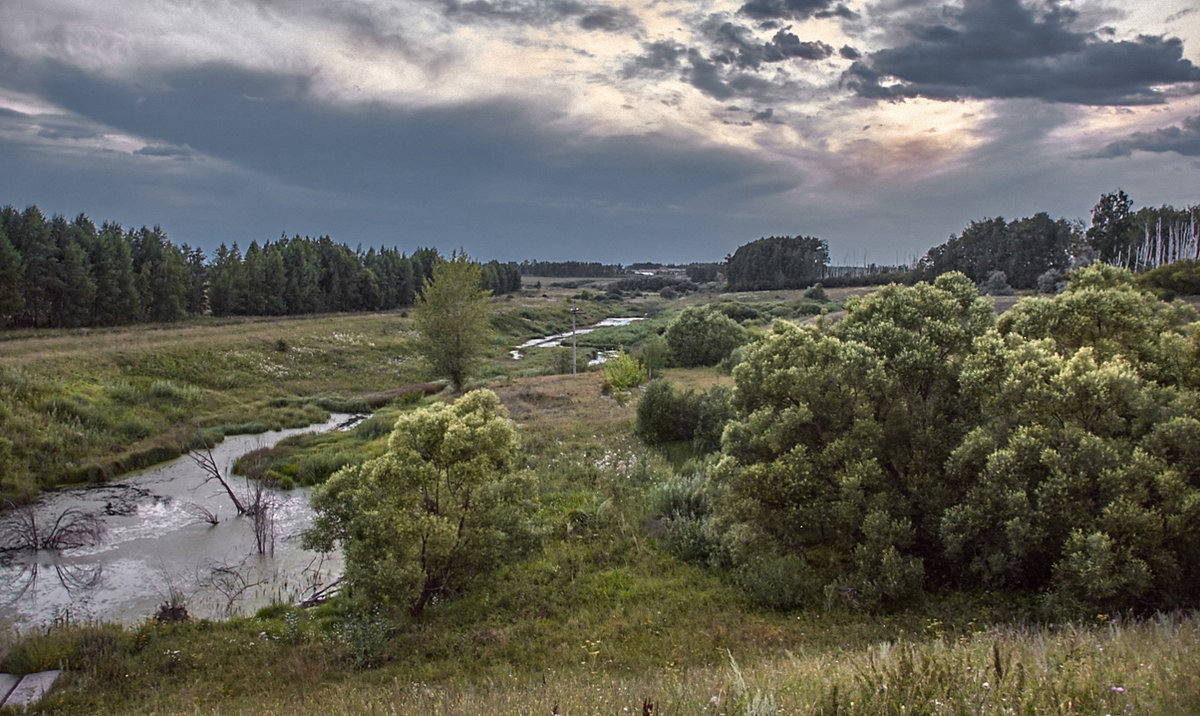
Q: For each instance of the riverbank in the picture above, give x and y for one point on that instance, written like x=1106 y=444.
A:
x=600 y=619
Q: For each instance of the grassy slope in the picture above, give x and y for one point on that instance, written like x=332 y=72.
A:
x=598 y=618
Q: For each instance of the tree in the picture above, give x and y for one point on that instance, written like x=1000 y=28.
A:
x=11 y=299
x=437 y=510
x=777 y=262
x=452 y=317
x=703 y=336
x=1112 y=230
x=1022 y=249
x=116 y=300
x=834 y=466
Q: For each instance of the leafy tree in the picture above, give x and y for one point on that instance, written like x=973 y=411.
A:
x=1021 y=249
x=665 y=414
x=834 y=465
x=622 y=373
x=1102 y=307
x=1112 y=231
x=437 y=510
x=452 y=318
x=654 y=354
x=777 y=262
x=703 y=336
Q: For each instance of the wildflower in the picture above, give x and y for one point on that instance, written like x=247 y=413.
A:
x=1119 y=689
x=986 y=685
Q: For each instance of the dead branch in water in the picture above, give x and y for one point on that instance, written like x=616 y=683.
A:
x=208 y=464
x=202 y=513
x=73 y=528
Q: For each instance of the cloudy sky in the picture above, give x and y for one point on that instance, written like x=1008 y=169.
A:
x=667 y=130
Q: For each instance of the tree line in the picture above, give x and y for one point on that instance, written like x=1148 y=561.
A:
x=63 y=273
x=1031 y=252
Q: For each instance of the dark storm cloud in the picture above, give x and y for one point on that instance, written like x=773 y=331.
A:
x=849 y=53
x=657 y=57
x=1004 y=49
x=589 y=16
x=734 y=57
x=486 y=172
x=795 y=10
x=1184 y=140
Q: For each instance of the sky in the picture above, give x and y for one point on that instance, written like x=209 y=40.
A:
x=597 y=130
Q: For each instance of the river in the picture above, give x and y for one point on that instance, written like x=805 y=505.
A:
x=156 y=547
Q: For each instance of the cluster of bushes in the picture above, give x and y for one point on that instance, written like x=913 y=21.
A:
x=1181 y=278
x=668 y=286
x=666 y=414
x=922 y=444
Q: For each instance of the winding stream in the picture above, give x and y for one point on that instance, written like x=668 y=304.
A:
x=157 y=547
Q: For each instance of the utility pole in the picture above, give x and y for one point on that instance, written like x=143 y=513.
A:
x=574 y=350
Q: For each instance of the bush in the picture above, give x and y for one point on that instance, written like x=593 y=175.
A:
x=1181 y=278
x=996 y=284
x=1051 y=281
x=622 y=373
x=665 y=415
x=816 y=292
x=703 y=336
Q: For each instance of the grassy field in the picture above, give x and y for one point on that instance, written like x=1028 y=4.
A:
x=598 y=619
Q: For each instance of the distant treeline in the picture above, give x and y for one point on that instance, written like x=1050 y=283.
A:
x=570 y=269
x=1032 y=252
x=60 y=273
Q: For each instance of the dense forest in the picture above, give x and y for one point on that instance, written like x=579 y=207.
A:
x=60 y=273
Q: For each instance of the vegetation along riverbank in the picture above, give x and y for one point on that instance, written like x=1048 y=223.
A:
x=920 y=507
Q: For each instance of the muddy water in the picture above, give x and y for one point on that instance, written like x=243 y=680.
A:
x=157 y=547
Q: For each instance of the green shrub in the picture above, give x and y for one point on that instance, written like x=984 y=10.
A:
x=703 y=336
x=780 y=582
x=816 y=292
x=666 y=415
x=622 y=373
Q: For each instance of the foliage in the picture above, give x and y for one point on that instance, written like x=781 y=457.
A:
x=569 y=269
x=435 y=512
x=1181 y=278
x=1112 y=231
x=452 y=319
x=622 y=372
x=665 y=414
x=816 y=292
x=60 y=273
x=1022 y=249
x=777 y=262
x=654 y=283
x=996 y=284
x=833 y=460
x=654 y=355
x=702 y=336
x=913 y=444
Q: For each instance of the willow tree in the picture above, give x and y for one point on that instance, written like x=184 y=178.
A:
x=452 y=318
x=438 y=509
